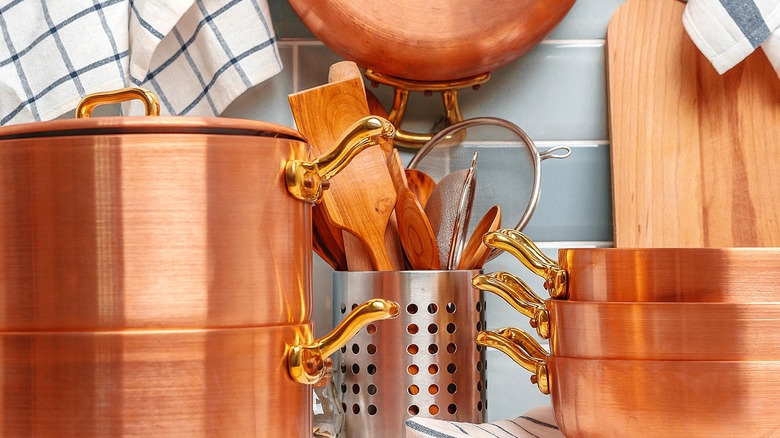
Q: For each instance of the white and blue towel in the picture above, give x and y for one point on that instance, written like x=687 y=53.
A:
x=196 y=55
x=727 y=31
x=536 y=423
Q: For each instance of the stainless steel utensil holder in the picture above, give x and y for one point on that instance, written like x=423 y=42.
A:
x=423 y=363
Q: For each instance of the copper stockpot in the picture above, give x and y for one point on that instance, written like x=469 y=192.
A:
x=160 y=222
x=242 y=382
x=644 y=330
x=623 y=398
x=431 y=40
x=734 y=275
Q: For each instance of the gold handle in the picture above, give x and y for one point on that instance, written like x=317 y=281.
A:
x=306 y=363
x=515 y=292
x=524 y=249
x=90 y=102
x=522 y=349
x=307 y=179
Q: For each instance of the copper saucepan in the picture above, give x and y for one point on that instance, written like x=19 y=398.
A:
x=650 y=274
x=243 y=381
x=644 y=330
x=160 y=222
x=621 y=398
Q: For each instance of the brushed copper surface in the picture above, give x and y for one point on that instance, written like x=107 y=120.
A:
x=625 y=398
x=736 y=275
x=664 y=331
x=431 y=40
x=159 y=228
x=166 y=383
x=673 y=274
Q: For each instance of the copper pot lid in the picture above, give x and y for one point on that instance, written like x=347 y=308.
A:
x=84 y=124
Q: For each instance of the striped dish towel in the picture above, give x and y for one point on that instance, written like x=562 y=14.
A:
x=536 y=423
x=196 y=55
x=727 y=31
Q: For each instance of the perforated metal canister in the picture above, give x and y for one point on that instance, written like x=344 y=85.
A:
x=424 y=363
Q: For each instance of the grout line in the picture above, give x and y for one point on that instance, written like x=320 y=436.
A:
x=575 y=42
x=575 y=244
x=295 y=68
x=572 y=143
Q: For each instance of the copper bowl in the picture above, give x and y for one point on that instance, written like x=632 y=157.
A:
x=644 y=330
x=427 y=40
x=621 y=398
x=731 y=275
x=159 y=222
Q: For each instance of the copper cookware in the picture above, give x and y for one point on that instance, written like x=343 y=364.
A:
x=430 y=46
x=645 y=330
x=431 y=40
x=650 y=274
x=160 y=222
x=241 y=381
x=621 y=398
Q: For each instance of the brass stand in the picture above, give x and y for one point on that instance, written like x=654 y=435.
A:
x=448 y=89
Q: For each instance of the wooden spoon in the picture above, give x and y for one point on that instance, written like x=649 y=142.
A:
x=476 y=252
x=421 y=184
x=362 y=197
x=414 y=229
x=326 y=240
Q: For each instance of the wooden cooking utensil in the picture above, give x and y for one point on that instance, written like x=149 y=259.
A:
x=414 y=229
x=421 y=184
x=346 y=70
x=692 y=151
x=361 y=198
x=327 y=240
x=476 y=252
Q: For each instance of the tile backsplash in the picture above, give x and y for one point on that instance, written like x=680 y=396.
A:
x=556 y=93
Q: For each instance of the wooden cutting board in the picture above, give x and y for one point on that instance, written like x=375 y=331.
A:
x=695 y=155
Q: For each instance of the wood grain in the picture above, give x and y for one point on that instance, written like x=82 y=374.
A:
x=361 y=197
x=693 y=153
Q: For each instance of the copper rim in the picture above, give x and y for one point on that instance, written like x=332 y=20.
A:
x=665 y=398
x=226 y=382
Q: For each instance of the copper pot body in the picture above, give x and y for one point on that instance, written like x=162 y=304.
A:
x=154 y=222
x=729 y=275
x=735 y=275
x=173 y=383
x=429 y=40
x=622 y=398
x=664 y=331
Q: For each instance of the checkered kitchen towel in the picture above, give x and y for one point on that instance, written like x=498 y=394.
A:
x=196 y=55
x=536 y=423
x=727 y=31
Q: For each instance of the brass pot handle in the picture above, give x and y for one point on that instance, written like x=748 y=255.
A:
x=515 y=292
x=306 y=363
x=91 y=101
x=307 y=179
x=525 y=250
x=522 y=349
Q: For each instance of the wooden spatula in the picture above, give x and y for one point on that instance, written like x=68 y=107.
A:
x=414 y=229
x=362 y=197
x=421 y=184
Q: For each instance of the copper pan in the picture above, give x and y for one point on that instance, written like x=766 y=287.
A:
x=650 y=274
x=174 y=383
x=429 y=40
x=160 y=222
x=645 y=330
x=624 y=398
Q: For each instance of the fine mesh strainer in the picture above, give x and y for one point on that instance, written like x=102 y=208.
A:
x=423 y=363
x=508 y=170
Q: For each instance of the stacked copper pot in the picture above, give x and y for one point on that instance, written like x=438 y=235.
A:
x=155 y=275
x=666 y=342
